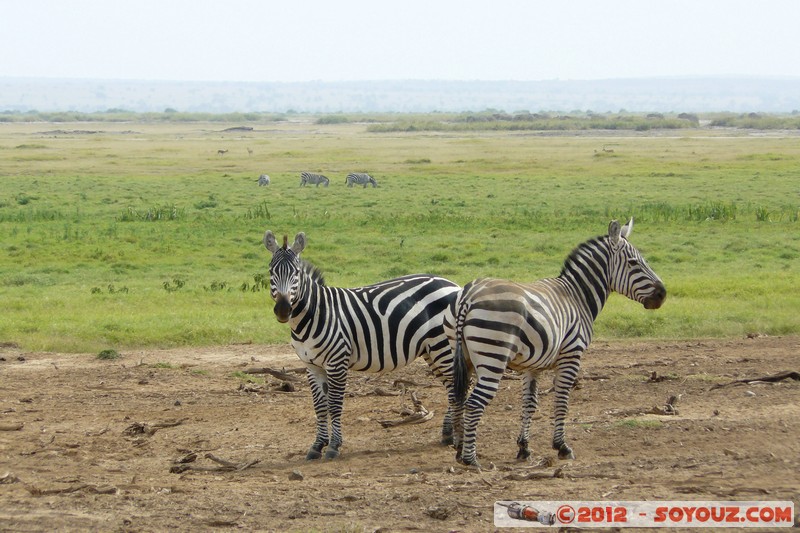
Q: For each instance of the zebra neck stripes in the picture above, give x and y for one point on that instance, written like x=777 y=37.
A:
x=586 y=271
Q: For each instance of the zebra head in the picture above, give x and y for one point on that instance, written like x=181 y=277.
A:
x=284 y=272
x=629 y=273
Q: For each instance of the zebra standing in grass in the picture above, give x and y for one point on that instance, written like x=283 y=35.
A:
x=377 y=328
x=358 y=178
x=548 y=324
x=263 y=180
x=309 y=178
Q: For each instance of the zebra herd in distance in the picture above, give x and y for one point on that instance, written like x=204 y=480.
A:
x=465 y=334
x=311 y=178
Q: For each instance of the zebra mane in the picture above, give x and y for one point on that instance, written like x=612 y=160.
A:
x=574 y=255
x=313 y=272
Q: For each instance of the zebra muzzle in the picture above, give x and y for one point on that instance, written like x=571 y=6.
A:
x=283 y=309
x=656 y=299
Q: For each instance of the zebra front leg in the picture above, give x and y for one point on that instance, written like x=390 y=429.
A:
x=337 y=378
x=317 y=379
x=566 y=373
x=530 y=402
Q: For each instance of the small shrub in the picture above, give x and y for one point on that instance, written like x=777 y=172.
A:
x=174 y=285
x=108 y=355
x=333 y=119
x=261 y=211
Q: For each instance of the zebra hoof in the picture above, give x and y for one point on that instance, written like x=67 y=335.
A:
x=331 y=454
x=447 y=440
x=313 y=455
x=565 y=453
x=523 y=455
x=473 y=463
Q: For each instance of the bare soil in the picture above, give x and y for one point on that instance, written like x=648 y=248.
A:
x=90 y=444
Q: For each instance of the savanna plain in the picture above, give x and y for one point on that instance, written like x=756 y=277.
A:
x=137 y=325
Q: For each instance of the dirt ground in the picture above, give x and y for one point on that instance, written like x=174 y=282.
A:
x=90 y=444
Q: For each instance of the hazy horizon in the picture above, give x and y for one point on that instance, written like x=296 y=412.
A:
x=678 y=94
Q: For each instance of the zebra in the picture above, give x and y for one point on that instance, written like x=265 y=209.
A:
x=498 y=324
x=313 y=179
x=360 y=179
x=263 y=180
x=377 y=328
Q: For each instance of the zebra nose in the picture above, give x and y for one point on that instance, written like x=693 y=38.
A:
x=282 y=309
x=657 y=297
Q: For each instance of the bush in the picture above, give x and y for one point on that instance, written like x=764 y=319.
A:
x=108 y=355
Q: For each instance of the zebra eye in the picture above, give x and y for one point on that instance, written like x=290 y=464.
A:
x=633 y=262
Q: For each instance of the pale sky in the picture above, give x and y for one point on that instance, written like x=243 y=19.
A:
x=338 y=40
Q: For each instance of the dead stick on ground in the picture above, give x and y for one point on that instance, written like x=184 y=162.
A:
x=280 y=374
x=107 y=489
x=138 y=428
x=225 y=465
x=769 y=379
x=11 y=426
x=421 y=414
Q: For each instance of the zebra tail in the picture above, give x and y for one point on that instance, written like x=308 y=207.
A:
x=460 y=367
x=460 y=375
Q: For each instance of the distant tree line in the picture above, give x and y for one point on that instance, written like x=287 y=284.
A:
x=487 y=120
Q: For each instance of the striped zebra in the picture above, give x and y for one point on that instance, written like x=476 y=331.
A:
x=309 y=178
x=358 y=178
x=263 y=180
x=377 y=328
x=497 y=324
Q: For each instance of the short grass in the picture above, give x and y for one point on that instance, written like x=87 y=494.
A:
x=142 y=235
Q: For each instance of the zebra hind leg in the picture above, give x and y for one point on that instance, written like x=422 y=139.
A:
x=530 y=403
x=566 y=373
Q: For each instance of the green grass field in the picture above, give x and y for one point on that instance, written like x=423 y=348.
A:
x=141 y=235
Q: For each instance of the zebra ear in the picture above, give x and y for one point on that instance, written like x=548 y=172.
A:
x=269 y=242
x=614 y=232
x=299 y=243
x=627 y=229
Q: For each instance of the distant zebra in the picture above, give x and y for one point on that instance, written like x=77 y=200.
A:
x=222 y=152
x=313 y=179
x=537 y=326
x=377 y=328
x=360 y=179
x=263 y=180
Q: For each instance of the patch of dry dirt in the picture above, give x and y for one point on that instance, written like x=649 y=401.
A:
x=88 y=444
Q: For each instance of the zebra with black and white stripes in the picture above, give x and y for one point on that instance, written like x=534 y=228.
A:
x=497 y=324
x=309 y=178
x=263 y=180
x=377 y=328
x=360 y=178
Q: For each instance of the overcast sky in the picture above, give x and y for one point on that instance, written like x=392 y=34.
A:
x=335 y=40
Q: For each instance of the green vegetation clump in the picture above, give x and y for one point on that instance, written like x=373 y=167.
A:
x=108 y=355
